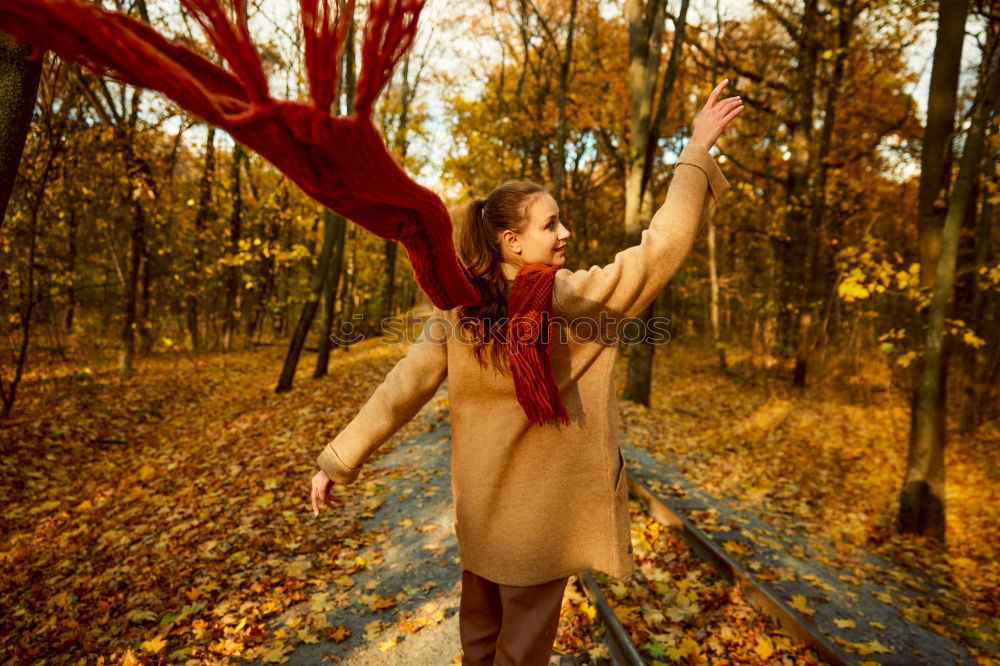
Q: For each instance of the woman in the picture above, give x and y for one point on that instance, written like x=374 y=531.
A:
x=534 y=504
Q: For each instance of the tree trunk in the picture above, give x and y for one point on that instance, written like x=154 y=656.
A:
x=646 y=28
x=935 y=157
x=817 y=278
x=713 y=255
x=73 y=228
x=200 y=223
x=559 y=173
x=138 y=180
x=126 y=354
x=136 y=170
x=792 y=246
x=974 y=389
x=146 y=326
x=389 y=285
x=231 y=309
x=308 y=312
x=347 y=296
x=645 y=25
x=335 y=281
x=921 y=503
x=18 y=90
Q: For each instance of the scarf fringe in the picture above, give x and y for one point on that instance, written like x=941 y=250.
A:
x=340 y=161
x=528 y=311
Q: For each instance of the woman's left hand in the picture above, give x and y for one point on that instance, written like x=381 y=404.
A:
x=713 y=119
x=321 y=497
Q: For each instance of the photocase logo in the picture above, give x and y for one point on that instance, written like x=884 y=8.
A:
x=349 y=334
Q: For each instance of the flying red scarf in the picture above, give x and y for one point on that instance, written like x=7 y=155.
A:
x=340 y=161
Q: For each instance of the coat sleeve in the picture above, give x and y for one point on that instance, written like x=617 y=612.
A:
x=625 y=287
x=406 y=389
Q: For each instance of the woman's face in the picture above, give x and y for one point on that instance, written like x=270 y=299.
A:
x=544 y=237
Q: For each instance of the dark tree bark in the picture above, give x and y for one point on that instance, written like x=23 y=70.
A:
x=18 y=90
x=975 y=389
x=645 y=38
x=233 y=273
x=146 y=300
x=389 y=285
x=559 y=175
x=791 y=247
x=333 y=280
x=308 y=312
x=200 y=224
x=921 y=502
x=336 y=278
x=818 y=269
x=402 y=144
x=73 y=227
x=646 y=28
x=137 y=235
x=936 y=155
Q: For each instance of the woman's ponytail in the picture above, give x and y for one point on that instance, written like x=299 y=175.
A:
x=479 y=249
x=475 y=242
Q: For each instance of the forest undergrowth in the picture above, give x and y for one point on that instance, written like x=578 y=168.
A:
x=828 y=461
x=167 y=518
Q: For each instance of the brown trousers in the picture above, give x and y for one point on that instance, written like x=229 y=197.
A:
x=507 y=625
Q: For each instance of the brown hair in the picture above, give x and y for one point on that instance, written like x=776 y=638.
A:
x=506 y=207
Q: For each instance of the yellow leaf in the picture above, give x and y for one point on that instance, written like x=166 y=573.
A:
x=276 y=654
x=154 y=645
x=265 y=500
x=338 y=635
x=799 y=604
x=373 y=629
x=783 y=643
x=690 y=645
x=598 y=651
x=845 y=624
x=653 y=617
x=873 y=646
x=627 y=614
x=764 y=647
x=307 y=636
x=381 y=603
x=147 y=472
x=972 y=339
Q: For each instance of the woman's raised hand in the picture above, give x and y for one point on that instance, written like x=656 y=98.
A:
x=713 y=118
x=321 y=496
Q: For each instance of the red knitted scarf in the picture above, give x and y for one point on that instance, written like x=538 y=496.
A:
x=527 y=340
x=340 y=161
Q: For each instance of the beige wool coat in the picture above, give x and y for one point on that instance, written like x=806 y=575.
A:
x=537 y=503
